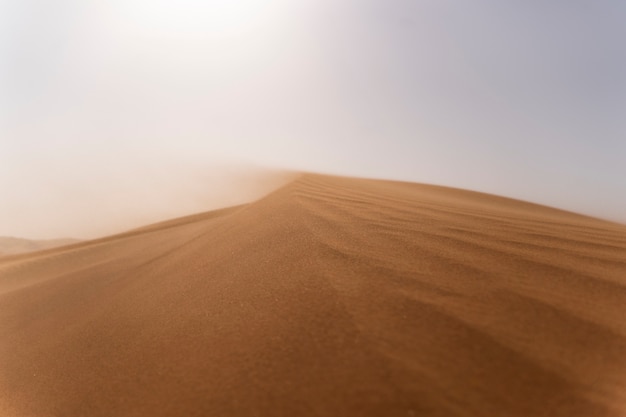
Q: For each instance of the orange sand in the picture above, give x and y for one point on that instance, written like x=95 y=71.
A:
x=329 y=297
x=12 y=245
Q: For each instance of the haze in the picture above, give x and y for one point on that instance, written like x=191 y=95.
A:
x=114 y=114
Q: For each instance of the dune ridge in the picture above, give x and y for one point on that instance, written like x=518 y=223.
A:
x=329 y=297
x=13 y=245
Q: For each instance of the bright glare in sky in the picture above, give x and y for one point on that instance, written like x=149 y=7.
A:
x=213 y=18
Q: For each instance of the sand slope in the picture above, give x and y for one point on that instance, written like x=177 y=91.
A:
x=13 y=245
x=329 y=297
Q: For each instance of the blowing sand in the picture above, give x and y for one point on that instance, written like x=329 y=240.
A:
x=329 y=297
x=12 y=245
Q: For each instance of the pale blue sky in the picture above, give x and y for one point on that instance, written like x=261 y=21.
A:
x=520 y=98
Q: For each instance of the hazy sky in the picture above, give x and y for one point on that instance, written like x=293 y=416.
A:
x=118 y=112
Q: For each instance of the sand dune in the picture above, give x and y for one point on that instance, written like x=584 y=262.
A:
x=13 y=245
x=329 y=297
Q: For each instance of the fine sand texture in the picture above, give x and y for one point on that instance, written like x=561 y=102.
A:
x=329 y=297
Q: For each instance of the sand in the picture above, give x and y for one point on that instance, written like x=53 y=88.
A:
x=329 y=297
x=13 y=245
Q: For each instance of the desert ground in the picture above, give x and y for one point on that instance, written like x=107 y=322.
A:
x=329 y=297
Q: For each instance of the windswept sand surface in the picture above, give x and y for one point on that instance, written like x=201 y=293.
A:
x=329 y=297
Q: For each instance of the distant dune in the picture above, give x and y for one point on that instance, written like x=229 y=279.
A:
x=329 y=297
x=13 y=245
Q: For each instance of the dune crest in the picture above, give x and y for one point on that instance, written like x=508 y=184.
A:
x=329 y=297
x=13 y=245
